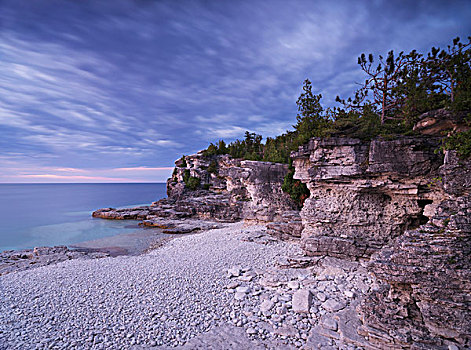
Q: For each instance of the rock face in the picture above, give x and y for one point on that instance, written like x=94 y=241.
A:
x=288 y=225
x=427 y=301
x=407 y=210
x=246 y=189
x=396 y=206
x=229 y=190
x=440 y=121
x=363 y=194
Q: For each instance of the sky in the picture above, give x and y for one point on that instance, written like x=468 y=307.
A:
x=117 y=90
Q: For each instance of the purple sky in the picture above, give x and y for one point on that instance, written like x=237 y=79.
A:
x=115 y=91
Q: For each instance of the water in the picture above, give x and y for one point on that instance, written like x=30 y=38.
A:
x=34 y=215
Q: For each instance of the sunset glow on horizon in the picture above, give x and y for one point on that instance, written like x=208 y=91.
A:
x=118 y=90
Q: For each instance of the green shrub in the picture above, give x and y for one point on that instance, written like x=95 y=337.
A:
x=211 y=150
x=213 y=167
x=190 y=181
x=183 y=164
x=186 y=175
x=193 y=183
x=461 y=143
x=297 y=190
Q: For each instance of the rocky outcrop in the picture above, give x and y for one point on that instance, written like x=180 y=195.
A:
x=441 y=121
x=181 y=226
x=398 y=207
x=288 y=225
x=229 y=190
x=426 y=303
x=406 y=211
x=364 y=194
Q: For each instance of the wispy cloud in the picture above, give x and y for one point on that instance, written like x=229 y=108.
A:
x=28 y=173
x=141 y=168
x=74 y=178
x=133 y=85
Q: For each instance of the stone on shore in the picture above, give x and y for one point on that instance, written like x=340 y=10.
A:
x=333 y=305
x=301 y=302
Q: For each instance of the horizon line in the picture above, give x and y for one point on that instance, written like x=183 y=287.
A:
x=71 y=183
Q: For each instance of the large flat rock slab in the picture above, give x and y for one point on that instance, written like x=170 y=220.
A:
x=219 y=338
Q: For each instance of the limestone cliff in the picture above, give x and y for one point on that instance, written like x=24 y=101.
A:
x=398 y=206
x=252 y=188
x=228 y=190
x=407 y=210
x=427 y=299
x=364 y=194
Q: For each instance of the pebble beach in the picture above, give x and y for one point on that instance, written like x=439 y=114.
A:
x=225 y=288
x=164 y=297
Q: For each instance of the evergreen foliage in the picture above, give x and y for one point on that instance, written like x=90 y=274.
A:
x=396 y=91
x=219 y=148
x=183 y=163
x=193 y=183
x=297 y=190
x=460 y=142
x=186 y=175
x=407 y=85
x=190 y=181
x=311 y=119
x=212 y=169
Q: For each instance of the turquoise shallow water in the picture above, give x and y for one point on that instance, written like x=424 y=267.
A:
x=60 y=214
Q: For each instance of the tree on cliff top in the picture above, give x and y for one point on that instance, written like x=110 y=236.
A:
x=407 y=85
x=397 y=90
x=450 y=70
x=311 y=119
x=382 y=82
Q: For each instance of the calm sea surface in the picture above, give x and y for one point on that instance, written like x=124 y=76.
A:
x=34 y=215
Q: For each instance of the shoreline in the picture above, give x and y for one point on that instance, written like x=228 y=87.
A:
x=230 y=285
x=141 y=241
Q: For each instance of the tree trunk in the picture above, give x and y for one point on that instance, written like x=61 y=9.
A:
x=383 y=105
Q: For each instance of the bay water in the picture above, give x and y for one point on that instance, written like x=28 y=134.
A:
x=33 y=215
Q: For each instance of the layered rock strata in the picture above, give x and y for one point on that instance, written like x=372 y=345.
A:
x=426 y=303
x=397 y=206
x=229 y=190
x=402 y=205
x=364 y=194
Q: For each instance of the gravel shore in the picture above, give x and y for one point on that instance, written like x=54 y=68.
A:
x=164 y=297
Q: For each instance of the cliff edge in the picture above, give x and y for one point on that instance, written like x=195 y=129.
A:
x=399 y=207
x=405 y=210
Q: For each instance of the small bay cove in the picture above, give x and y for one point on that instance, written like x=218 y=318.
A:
x=33 y=215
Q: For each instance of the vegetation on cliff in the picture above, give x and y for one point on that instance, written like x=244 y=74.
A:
x=297 y=190
x=461 y=142
x=191 y=182
x=396 y=91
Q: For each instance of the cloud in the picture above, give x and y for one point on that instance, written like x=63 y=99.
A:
x=115 y=85
x=141 y=168
x=29 y=173
x=74 y=178
x=228 y=132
